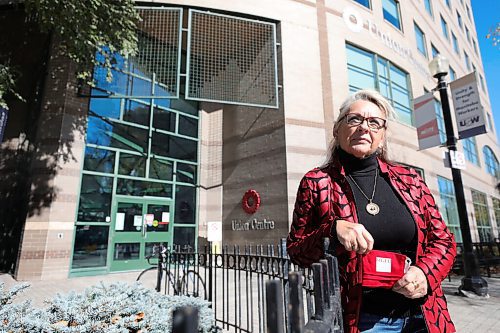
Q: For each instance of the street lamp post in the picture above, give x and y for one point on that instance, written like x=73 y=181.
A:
x=472 y=281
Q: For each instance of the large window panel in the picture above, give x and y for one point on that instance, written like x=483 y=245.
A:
x=482 y=216
x=448 y=207
x=91 y=246
x=164 y=119
x=161 y=169
x=132 y=165
x=491 y=162
x=496 y=213
x=174 y=147
x=391 y=12
x=137 y=113
x=420 y=37
x=139 y=188
x=368 y=70
x=95 y=199
x=470 y=150
x=99 y=160
x=105 y=132
x=185 y=204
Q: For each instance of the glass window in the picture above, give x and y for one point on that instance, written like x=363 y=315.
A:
x=127 y=251
x=368 y=70
x=482 y=216
x=103 y=132
x=467 y=33
x=467 y=60
x=440 y=121
x=455 y=43
x=184 y=236
x=490 y=121
x=365 y=3
x=174 y=147
x=491 y=162
x=459 y=20
x=453 y=74
x=470 y=150
x=428 y=6
x=137 y=113
x=420 y=37
x=186 y=173
x=95 y=199
x=163 y=119
x=475 y=47
x=161 y=169
x=391 y=12
x=483 y=86
x=105 y=107
x=448 y=3
x=99 y=160
x=444 y=28
x=91 y=246
x=448 y=207
x=496 y=213
x=185 y=204
x=188 y=126
x=434 y=51
x=132 y=165
x=139 y=188
x=468 y=12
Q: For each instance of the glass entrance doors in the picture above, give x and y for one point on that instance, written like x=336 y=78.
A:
x=138 y=224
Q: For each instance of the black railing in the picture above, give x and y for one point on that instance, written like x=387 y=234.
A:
x=487 y=254
x=234 y=281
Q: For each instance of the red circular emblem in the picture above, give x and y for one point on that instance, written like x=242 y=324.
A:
x=250 y=201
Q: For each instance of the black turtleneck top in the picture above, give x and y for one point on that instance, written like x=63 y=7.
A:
x=393 y=228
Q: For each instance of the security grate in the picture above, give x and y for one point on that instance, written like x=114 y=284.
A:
x=231 y=60
x=159 y=49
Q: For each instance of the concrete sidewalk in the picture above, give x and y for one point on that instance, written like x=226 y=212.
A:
x=478 y=315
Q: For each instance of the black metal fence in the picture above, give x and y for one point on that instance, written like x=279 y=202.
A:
x=487 y=254
x=234 y=281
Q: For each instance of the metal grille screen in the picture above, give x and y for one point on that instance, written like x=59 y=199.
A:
x=231 y=60
x=159 y=36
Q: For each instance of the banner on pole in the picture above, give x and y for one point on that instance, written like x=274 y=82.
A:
x=3 y=122
x=469 y=112
x=426 y=121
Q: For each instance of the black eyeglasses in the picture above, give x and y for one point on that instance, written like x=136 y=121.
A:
x=374 y=123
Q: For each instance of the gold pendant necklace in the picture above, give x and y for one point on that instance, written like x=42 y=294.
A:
x=372 y=208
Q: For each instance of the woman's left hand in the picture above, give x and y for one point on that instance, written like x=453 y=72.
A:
x=413 y=284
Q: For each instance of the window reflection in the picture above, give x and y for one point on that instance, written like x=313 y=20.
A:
x=185 y=203
x=140 y=188
x=135 y=112
x=107 y=133
x=91 y=246
x=95 y=199
x=132 y=165
x=161 y=169
x=99 y=160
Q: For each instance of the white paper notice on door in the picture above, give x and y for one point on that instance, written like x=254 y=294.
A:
x=137 y=220
x=120 y=221
x=165 y=217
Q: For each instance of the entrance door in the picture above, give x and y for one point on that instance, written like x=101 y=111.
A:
x=138 y=224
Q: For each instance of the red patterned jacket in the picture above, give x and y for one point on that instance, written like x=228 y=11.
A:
x=325 y=195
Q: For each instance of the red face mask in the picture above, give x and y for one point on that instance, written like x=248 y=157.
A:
x=382 y=269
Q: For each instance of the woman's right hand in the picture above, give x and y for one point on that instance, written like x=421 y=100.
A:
x=354 y=236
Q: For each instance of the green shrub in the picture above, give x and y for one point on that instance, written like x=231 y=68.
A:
x=117 y=307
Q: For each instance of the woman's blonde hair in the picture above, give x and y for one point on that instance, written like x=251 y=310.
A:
x=362 y=95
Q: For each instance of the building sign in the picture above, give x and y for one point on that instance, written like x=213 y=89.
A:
x=426 y=121
x=454 y=159
x=239 y=225
x=469 y=112
x=355 y=22
x=214 y=231
x=3 y=122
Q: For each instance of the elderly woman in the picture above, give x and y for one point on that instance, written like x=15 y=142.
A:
x=367 y=204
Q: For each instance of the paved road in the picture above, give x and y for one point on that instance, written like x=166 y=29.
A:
x=478 y=315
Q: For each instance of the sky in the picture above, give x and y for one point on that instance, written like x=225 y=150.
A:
x=486 y=16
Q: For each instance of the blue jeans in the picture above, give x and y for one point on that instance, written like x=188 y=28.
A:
x=371 y=323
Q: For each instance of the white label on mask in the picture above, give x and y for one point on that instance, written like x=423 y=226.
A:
x=383 y=265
